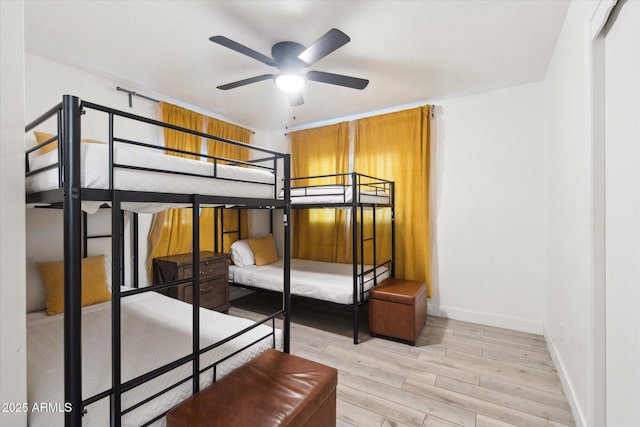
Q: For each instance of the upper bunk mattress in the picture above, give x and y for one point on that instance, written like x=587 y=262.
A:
x=334 y=194
x=325 y=281
x=232 y=181
x=155 y=330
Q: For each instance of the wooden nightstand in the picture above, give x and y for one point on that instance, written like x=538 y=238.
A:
x=214 y=278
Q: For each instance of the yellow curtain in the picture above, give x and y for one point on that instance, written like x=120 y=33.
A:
x=219 y=149
x=172 y=229
x=320 y=234
x=179 y=140
x=396 y=147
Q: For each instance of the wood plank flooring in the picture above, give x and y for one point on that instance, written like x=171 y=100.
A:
x=458 y=373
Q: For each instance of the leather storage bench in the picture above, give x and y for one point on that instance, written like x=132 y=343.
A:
x=274 y=389
x=398 y=309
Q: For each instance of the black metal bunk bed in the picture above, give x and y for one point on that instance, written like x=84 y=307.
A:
x=68 y=194
x=358 y=193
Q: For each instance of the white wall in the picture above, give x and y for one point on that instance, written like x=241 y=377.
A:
x=490 y=221
x=13 y=373
x=568 y=187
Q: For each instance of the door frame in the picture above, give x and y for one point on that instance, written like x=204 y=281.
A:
x=595 y=32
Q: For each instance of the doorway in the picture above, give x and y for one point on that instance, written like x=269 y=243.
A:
x=616 y=214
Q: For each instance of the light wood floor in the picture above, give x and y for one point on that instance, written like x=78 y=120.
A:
x=458 y=373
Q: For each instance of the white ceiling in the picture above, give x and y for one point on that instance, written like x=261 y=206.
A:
x=411 y=51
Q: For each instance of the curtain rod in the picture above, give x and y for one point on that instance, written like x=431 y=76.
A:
x=132 y=94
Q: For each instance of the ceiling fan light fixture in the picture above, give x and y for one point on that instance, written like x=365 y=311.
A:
x=291 y=58
x=290 y=83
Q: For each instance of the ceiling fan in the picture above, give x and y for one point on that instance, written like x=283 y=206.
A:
x=291 y=58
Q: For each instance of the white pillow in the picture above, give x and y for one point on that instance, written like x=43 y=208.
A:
x=241 y=253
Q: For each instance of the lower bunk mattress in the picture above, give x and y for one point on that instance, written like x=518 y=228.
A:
x=155 y=330
x=324 y=281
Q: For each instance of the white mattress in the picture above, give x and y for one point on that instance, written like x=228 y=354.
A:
x=314 y=279
x=95 y=174
x=328 y=194
x=155 y=330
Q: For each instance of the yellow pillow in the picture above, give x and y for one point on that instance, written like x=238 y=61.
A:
x=95 y=288
x=264 y=249
x=43 y=136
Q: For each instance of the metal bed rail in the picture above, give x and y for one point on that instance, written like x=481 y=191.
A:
x=345 y=186
x=378 y=271
x=267 y=163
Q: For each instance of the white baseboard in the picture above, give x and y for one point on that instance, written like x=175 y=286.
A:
x=513 y=323
x=578 y=414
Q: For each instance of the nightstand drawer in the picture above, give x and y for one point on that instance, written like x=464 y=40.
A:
x=213 y=294
x=208 y=270
x=212 y=274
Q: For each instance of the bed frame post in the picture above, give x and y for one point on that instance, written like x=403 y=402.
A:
x=393 y=229
x=85 y=237
x=70 y=146
x=195 y=293
x=287 y=255
x=375 y=253
x=136 y=248
x=270 y=221
x=354 y=246
x=116 y=327
x=215 y=229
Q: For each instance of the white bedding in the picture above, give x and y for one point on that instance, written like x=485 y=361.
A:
x=95 y=174
x=314 y=279
x=155 y=330
x=328 y=194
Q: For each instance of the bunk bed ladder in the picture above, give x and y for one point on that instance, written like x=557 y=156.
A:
x=359 y=240
x=118 y=280
x=134 y=251
x=218 y=238
x=116 y=350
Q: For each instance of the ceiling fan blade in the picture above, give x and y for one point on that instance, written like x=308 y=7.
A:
x=322 y=47
x=296 y=99
x=222 y=40
x=337 y=79
x=246 y=81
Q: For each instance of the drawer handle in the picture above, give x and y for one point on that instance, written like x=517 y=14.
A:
x=206 y=290
x=205 y=272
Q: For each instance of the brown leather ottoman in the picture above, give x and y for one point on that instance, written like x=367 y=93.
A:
x=274 y=389
x=398 y=309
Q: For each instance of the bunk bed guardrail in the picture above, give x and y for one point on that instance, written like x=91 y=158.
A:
x=343 y=187
x=269 y=161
